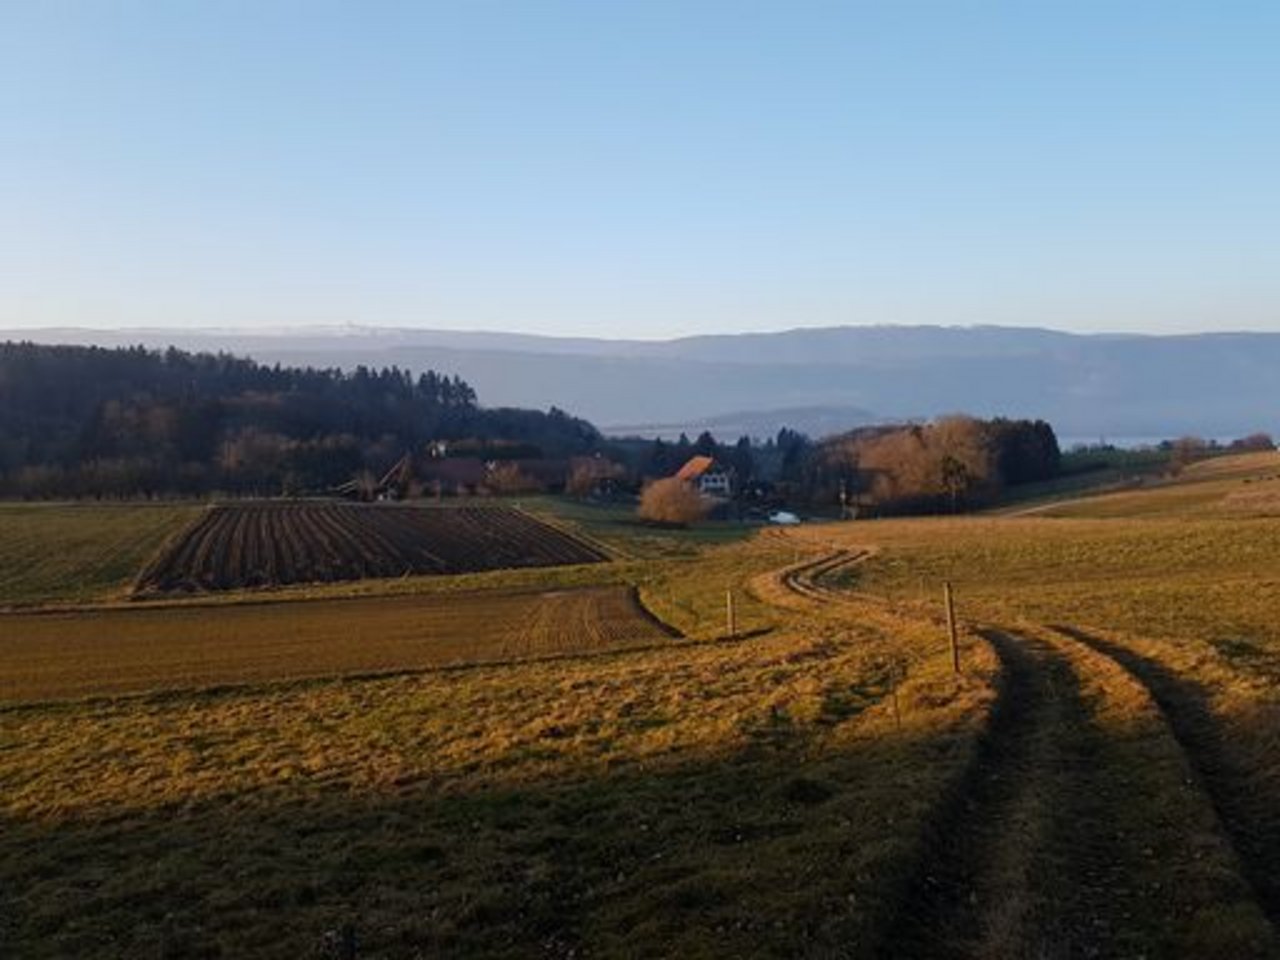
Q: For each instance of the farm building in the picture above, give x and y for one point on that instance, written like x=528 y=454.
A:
x=595 y=476
x=543 y=473
x=709 y=475
x=458 y=475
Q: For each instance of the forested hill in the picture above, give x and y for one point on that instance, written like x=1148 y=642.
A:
x=88 y=421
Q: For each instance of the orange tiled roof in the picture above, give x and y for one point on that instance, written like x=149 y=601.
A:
x=695 y=468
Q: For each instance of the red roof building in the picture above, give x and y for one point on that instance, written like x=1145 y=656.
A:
x=708 y=475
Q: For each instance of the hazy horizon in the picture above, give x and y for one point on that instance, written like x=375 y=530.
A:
x=271 y=330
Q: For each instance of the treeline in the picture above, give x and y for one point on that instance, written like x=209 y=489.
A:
x=949 y=464
x=94 y=422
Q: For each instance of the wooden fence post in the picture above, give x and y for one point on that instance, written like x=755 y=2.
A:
x=896 y=679
x=951 y=627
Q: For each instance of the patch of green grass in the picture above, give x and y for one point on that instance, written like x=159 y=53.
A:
x=616 y=525
x=80 y=553
x=1201 y=580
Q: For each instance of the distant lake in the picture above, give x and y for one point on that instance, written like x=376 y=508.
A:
x=1131 y=443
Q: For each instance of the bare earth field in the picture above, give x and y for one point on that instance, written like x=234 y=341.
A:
x=94 y=653
x=1100 y=780
x=246 y=545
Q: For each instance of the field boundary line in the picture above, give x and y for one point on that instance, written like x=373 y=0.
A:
x=570 y=529
x=670 y=629
x=164 y=547
x=283 y=596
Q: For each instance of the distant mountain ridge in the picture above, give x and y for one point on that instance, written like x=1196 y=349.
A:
x=1086 y=385
x=760 y=424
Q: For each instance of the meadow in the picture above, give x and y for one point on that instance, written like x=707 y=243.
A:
x=78 y=553
x=1098 y=780
x=685 y=799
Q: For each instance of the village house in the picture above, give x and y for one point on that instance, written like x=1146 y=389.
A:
x=711 y=477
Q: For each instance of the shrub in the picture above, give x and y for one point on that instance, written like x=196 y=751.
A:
x=672 y=501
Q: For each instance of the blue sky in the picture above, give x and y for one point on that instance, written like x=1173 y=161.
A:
x=640 y=168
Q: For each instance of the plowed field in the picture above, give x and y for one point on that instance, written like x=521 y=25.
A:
x=271 y=544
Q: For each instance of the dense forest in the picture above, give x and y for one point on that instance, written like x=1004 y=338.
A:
x=88 y=421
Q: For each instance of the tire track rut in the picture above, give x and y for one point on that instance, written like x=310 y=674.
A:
x=1254 y=836
x=958 y=902
x=1079 y=829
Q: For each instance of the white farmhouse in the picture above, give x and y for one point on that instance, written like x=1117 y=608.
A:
x=712 y=478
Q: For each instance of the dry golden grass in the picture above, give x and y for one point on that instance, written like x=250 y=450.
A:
x=1216 y=581
x=755 y=798
x=1244 y=485
x=1183 y=609
x=377 y=626
x=769 y=795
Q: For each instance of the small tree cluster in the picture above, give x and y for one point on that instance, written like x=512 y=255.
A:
x=1254 y=442
x=1185 y=451
x=946 y=463
x=508 y=478
x=588 y=475
x=950 y=464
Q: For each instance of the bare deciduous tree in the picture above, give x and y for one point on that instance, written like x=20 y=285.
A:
x=1186 y=450
x=949 y=460
x=672 y=501
x=509 y=478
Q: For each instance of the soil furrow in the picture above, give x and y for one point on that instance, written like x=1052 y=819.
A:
x=248 y=545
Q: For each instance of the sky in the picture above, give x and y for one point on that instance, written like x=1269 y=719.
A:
x=640 y=168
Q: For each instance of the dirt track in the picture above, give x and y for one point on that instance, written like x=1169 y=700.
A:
x=1099 y=818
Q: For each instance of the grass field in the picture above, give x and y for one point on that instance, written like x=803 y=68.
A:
x=1162 y=589
x=1100 y=780
x=1244 y=485
x=80 y=553
x=655 y=802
